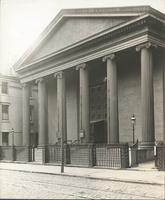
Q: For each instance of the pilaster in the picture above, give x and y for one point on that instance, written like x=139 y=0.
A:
x=26 y=114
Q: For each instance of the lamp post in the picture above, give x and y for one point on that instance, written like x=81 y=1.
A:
x=133 y=121
x=12 y=132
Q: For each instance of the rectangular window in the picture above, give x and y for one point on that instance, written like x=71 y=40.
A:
x=5 y=138
x=5 y=112
x=4 y=87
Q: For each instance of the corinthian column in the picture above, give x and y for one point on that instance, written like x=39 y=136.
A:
x=112 y=100
x=42 y=108
x=84 y=103
x=147 y=96
x=26 y=114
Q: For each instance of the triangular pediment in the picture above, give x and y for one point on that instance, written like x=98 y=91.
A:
x=73 y=30
x=71 y=26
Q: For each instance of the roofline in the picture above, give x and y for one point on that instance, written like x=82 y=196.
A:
x=88 y=39
x=11 y=77
x=86 y=12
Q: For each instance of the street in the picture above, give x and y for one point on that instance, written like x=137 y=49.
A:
x=15 y=184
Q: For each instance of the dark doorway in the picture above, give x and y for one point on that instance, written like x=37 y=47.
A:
x=99 y=133
x=5 y=138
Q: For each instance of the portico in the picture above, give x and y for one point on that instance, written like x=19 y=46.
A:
x=100 y=81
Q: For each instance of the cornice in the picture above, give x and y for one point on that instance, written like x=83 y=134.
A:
x=9 y=78
x=110 y=34
x=84 y=12
x=51 y=69
x=32 y=75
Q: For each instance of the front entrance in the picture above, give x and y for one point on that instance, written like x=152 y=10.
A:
x=99 y=131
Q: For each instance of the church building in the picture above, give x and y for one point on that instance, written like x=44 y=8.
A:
x=95 y=68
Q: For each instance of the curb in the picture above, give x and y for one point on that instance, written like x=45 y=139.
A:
x=86 y=177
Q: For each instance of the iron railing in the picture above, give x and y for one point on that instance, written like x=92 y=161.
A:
x=113 y=156
x=103 y=155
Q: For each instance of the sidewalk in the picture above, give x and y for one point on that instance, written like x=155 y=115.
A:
x=144 y=174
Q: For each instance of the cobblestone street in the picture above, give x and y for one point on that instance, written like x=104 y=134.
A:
x=16 y=184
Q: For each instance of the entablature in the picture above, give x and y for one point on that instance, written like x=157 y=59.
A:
x=142 y=29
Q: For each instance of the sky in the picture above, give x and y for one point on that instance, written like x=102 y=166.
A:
x=21 y=21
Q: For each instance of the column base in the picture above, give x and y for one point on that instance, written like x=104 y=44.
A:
x=39 y=154
x=145 y=152
x=144 y=145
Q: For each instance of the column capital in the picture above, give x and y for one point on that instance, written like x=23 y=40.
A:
x=81 y=66
x=59 y=75
x=39 y=80
x=146 y=45
x=110 y=56
x=25 y=85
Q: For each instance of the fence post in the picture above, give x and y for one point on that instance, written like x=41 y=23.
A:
x=66 y=154
x=91 y=155
x=124 y=156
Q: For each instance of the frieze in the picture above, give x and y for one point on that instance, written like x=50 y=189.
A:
x=110 y=35
x=91 y=53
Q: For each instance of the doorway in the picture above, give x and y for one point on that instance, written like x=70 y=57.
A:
x=99 y=131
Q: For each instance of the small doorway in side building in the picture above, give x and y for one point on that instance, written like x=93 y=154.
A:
x=99 y=131
x=5 y=138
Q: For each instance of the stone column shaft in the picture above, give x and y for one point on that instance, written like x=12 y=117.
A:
x=112 y=100
x=164 y=95
x=147 y=97
x=26 y=115
x=61 y=106
x=42 y=109
x=84 y=102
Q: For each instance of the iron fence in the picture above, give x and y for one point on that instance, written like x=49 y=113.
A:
x=113 y=156
x=81 y=154
x=53 y=153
